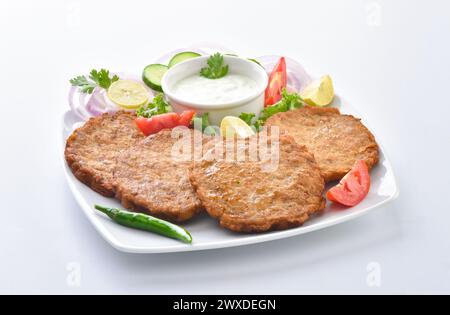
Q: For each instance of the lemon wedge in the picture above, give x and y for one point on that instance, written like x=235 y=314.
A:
x=319 y=92
x=231 y=126
x=128 y=94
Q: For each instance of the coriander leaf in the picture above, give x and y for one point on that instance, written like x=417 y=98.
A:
x=288 y=102
x=292 y=100
x=216 y=68
x=97 y=78
x=258 y=124
x=249 y=119
x=102 y=78
x=85 y=86
x=157 y=106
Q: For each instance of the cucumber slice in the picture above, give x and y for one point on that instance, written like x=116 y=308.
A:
x=182 y=56
x=152 y=76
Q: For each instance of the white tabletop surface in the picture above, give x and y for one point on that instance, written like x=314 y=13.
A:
x=390 y=59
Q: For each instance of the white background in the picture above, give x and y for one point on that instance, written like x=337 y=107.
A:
x=390 y=59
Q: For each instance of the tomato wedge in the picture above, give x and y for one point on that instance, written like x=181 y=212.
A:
x=157 y=123
x=277 y=82
x=186 y=118
x=353 y=187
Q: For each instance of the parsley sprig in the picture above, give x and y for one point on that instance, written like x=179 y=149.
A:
x=216 y=67
x=250 y=120
x=288 y=102
x=96 y=78
x=157 y=106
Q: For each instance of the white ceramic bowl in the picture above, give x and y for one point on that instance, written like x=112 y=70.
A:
x=252 y=103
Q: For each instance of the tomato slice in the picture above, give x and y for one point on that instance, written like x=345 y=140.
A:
x=277 y=82
x=168 y=120
x=148 y=126
x=186 y=118
x=157 y=123
x=353 y=187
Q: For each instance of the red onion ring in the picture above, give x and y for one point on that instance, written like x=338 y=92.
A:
x=70 y=100
x=94 y=104
x=82 y=109
x=73 y=106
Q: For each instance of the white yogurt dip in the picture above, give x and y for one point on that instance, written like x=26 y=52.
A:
x=230 y=88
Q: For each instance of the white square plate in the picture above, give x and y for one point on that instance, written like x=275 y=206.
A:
x=206 y=232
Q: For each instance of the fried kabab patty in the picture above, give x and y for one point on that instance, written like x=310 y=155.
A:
x=152 y=176
x=336 y=141
x=91 y=150
x=256 y=193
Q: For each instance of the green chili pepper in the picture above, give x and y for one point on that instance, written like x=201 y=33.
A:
x=147 y=223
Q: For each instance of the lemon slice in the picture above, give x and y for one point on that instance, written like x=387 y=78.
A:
x=231 y=126
x=319 y=92
x=128 y=94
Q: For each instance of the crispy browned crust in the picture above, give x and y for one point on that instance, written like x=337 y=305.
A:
x=244 y=198
x=91 y=150
x=150 y=179
x=336 y=141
